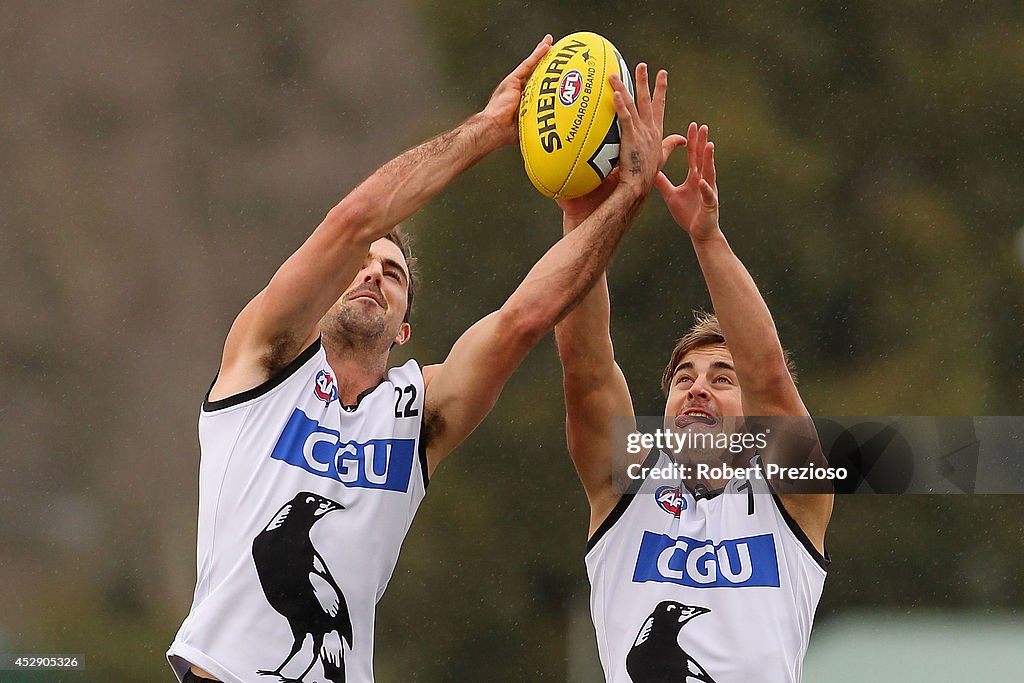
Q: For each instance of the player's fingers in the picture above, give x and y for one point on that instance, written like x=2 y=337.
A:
x=702 y=143
x=658 y=102
x=643 y=92
x=669 y=145
x=664 y=185
x=620 y=88
x=626 y=117
x=622 y=94
x=691 y=150
x=707 y=193
x=709 y=166
x=530 y=63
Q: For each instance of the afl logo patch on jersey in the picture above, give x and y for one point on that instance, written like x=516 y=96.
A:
x=324 y=387
x=670 y=500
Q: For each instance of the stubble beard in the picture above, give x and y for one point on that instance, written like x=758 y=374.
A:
x=346 y=325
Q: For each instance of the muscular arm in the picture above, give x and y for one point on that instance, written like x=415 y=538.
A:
x=595 y=393
x=767 y=386
x=464 y=388
x=595 y=388
x=283 y=319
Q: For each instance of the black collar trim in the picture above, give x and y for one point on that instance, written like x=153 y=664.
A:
x=355 y=406
x=701 y=492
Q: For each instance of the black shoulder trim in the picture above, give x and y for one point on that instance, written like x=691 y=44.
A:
x=823 y=560
x=623 y=503
x=275 y=381
x=610 y=520
x=422 y=445
x=423 y=458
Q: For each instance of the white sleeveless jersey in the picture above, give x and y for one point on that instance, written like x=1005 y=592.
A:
x=686 y=589
x=303 y=506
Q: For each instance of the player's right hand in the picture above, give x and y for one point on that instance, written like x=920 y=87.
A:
x=642 y=124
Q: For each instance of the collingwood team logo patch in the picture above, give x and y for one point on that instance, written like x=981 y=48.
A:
x=324 y=387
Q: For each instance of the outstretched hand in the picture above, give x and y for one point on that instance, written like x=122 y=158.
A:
x=641 y=123
x=503 y=107
x=694 y=204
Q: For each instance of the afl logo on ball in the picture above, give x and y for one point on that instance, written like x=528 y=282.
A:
x=670 y=500
x=324 y=387
x=570 y=88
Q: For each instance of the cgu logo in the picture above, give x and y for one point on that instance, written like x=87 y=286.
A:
x=733 y=563
x=374 y=464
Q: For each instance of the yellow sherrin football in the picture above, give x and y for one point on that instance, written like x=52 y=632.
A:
x=568 y=130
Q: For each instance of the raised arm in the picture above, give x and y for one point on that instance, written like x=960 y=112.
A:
x=595 y=388
x=767 y=387
x=283 y=319
x=462 y=390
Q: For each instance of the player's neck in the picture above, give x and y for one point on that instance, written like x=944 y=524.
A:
x=695 y=485
x=716 y=465
x=356 y=369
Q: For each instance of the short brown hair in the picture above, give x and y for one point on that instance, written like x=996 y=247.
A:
x=404 y=243
x=706 y=331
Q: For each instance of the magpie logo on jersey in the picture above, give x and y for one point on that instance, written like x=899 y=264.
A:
x=656 y=656
x=732 y=563
x=670 y=500
x=300 y=587
x=324 y=387
x=374 y=464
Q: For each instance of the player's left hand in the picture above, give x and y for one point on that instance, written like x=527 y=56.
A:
x=502 y=110
x=694 y=204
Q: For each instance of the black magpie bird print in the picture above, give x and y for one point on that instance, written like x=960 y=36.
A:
x=300 y=587
x=656 y=656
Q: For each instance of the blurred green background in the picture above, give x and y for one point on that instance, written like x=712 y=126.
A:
x=160 y=160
